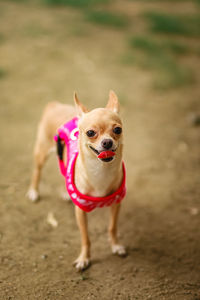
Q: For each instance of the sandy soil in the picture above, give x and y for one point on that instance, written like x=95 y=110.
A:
x=47 y=54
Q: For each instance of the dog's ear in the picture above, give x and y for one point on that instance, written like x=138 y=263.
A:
x=81 y=109
x=113 y=103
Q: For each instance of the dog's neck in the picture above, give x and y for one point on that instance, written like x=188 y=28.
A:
x=96 y=178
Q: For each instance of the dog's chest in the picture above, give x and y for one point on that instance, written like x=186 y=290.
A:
x=97 y=179
x=103 y=179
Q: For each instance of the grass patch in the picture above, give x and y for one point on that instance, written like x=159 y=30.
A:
x=76 y=3
x=167 y=72
x=158 y=56
x=172 y=24
x=145 y=44
x=161 y=0
x=79 y=31
x=128 y=59
x=20 y=1
x=2 y=38
x=174 y=76
x=35 y=30
x=153 y=46
x=106 y=18
x=176 y=47
x=3 y=73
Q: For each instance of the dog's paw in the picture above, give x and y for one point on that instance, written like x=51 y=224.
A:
x=119 y=250
x=82 y=263
x=33 y=195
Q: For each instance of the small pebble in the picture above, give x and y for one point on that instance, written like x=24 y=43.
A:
x=194 y=211
x=182 y=147
x=51 y=220
x=194 y=119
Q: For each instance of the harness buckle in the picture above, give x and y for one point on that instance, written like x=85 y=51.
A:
x=60 y=147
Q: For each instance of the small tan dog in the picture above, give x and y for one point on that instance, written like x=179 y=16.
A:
x=99 y=129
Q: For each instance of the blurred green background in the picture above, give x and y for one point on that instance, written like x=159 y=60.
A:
x=160 y=37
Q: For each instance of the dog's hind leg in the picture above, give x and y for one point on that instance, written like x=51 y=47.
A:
x=41 y=151
x=116 y=247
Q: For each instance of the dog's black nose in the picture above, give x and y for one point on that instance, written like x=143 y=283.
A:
x=107 y=143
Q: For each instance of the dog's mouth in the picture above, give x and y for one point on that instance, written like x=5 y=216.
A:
x=95 y=151
x=104 y=156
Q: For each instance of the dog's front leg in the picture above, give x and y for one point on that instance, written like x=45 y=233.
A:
x=115 y=246
x=83 y=261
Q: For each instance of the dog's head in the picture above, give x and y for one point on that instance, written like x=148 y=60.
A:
x=100 y=130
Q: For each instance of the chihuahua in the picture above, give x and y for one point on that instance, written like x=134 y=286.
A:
x=98 y=168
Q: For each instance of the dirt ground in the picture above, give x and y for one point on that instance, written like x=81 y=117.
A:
x=47 y=53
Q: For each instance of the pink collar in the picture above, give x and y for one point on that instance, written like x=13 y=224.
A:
x=69 y=134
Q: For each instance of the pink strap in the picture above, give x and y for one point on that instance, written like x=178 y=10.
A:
x=67 y=133
x=63 y=168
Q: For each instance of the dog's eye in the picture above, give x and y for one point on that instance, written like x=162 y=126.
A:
x=91 y=133
x=117 y=130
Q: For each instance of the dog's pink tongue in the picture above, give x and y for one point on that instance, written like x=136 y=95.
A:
x=106 y=154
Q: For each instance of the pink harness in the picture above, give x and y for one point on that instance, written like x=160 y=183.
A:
x=68 y=133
